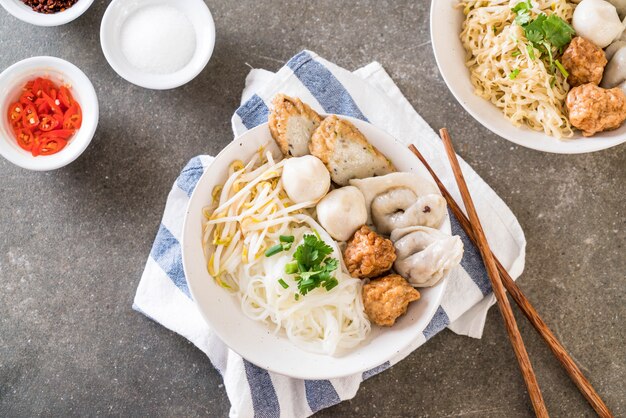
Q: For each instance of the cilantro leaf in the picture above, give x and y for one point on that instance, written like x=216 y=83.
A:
x=522 y=6
x=557 y=31
x=311 y=265
x=547 y=34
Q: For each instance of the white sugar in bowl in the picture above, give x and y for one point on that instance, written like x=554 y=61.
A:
x=157 y=44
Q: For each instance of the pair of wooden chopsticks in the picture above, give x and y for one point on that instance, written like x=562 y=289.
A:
x=500 y=280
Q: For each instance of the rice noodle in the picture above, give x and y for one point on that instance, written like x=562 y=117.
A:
x=248 y=215
x=496 y=47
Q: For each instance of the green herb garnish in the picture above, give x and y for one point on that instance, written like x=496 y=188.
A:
x=285 y=245
x=561 y=68
x=283 y=283
x=514 y=74
x=312 y=265
x=548 y=34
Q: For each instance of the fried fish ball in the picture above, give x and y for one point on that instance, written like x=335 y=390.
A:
x=368 y=254
x=584 y=62
x=593 y=109
x=387 y=298
x=291 y=124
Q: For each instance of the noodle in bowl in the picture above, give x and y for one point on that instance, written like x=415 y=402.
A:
x=496 y=101
x=535 y=96
x=324 y=334
x=248 y=214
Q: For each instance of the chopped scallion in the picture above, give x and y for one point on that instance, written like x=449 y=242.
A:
x=286 y=238
x=561 y=68
x=283 y=283
x=514 y=74
x=273 y=250
x=291 y=268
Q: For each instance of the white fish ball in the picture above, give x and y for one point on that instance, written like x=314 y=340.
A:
x=305 y=179
x=342 y=212
x=597 y=21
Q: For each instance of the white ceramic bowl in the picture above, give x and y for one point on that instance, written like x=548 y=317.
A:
x=255 y=341
x=445 y=28
x=198 y=14
x=24 y=13
x=61 y=72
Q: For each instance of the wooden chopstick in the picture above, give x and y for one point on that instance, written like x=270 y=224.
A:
x=526 y=307
x=496 y=283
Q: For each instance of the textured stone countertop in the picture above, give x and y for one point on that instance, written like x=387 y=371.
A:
x=73 y=242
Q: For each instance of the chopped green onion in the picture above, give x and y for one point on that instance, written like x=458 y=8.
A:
x=514 y=74
x=283 y=283
x=331 y=284
x=297 y=296
x=273 y=250
x=291 y=268
x=516 y=53
x=286 y=238
x=531 y=51
x=561 y=68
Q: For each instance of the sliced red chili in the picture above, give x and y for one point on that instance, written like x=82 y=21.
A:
x=16 y=110
x=59 y=133
x=53 y=103
x=50 y=146
x=59 y=117
x=47 y=123
x=29 y=118
x=65 y=97
x=25 y=138
x=73 y=118
x=27 y=97
x=42 y=85
x=45 y=117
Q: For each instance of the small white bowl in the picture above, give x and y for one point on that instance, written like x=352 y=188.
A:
x=24 y=13
x=195 y=10
x=445 y=27
x=61 y=72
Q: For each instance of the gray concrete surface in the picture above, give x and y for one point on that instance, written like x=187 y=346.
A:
x=73 y=242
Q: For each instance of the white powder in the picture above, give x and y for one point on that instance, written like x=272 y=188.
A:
x=158 y=39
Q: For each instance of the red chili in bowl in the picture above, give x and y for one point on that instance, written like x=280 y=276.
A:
x=44 y=117
x=49 y=6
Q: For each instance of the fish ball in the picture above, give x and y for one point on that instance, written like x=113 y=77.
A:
x=597 y=21
x=342 y=212
x=305 y=179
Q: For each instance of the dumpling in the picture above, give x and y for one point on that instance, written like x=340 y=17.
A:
x=341 y=212
x=305 y=179
x=399 y=200
x=425 y=255
x=597 y=21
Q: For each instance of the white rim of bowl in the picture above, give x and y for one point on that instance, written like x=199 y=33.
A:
x=20 y=11
x=166 y=82
x=86 y=132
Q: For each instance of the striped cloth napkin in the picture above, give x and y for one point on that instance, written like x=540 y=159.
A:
x=368 y=94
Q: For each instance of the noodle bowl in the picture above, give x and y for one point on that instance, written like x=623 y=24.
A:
x=497 y=48
x=248 y=215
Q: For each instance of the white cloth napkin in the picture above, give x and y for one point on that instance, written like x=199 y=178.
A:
x=369 y=94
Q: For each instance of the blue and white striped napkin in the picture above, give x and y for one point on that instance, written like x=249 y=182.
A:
x=368 y=94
